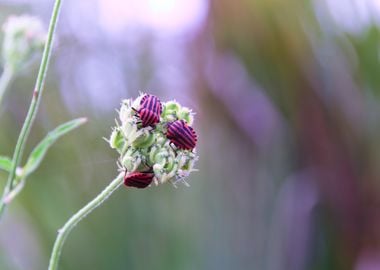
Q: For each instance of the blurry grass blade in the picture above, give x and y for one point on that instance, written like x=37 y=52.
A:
x=38 y=153
x=5 y=163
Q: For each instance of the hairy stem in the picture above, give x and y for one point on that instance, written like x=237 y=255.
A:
x=37 y=93
x=5 y=80
x=74 y=220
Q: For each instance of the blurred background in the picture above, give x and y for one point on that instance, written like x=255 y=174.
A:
x=287 y=97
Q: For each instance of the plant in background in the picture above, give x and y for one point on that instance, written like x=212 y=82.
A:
x=18 y=175
x=24 y=39
x=156 y=145
x=35 y=158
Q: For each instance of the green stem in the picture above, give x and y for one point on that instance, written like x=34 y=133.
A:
x=5 y=80
x=74 y=220
x=37 y=93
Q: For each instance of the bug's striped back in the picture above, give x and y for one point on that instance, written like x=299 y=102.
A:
x=151 y=103
x=138 y=179
x=182 y=135
x=148 y=117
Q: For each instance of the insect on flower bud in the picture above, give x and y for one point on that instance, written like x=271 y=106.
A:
x=138 y=179
x=182 y=135
x=155 y=141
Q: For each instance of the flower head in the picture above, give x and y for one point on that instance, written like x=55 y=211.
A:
x=148 y=152
x=24 y=36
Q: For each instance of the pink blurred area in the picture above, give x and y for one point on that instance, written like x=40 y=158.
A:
x=165 y=17
x=140 y=46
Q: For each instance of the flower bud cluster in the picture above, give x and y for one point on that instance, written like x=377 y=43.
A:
x=147 y=149
x=24 y=37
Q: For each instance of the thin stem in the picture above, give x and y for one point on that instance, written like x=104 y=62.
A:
x=37 y=93
x=5 y=80
x=74 y=220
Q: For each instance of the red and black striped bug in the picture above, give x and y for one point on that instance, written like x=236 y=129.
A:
x=181 y=135
x=148 y=117
x=138 y=179
x=151 y=103
x=150 y=110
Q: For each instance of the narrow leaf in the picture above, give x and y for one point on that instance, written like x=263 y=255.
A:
x=39 y=152
x=5 y=163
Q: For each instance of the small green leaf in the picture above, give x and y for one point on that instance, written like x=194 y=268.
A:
x=38 y=153
x=5 y=163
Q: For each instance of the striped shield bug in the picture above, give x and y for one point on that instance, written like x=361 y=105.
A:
x=149 y=111
x=138 y=179
x=148 y=117
x=181 y=135
x=151 y=103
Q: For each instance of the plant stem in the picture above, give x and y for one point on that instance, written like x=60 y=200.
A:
x=37 y=93
x=74 y=220
x=5 y=80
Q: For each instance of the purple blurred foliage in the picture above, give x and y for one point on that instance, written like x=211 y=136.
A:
x=292 y=222
x=246 y=102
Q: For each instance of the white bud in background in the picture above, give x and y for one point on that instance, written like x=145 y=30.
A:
x=24 y=38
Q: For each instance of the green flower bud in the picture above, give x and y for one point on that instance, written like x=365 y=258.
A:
x=170 y=111
x=188 y=165
x=144 y=140
x=187 y=115
x=131 y=160
x=161 y=158
x=153 y=152
x=171 y=106
x=169 y=176
x=130 y=132
x=169 y=166
x=158 y=171
x=161 y=140
x=116 y=140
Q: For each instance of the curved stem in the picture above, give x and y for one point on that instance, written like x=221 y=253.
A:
x=74 y=220
x=37 y=93
x=5 y=80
